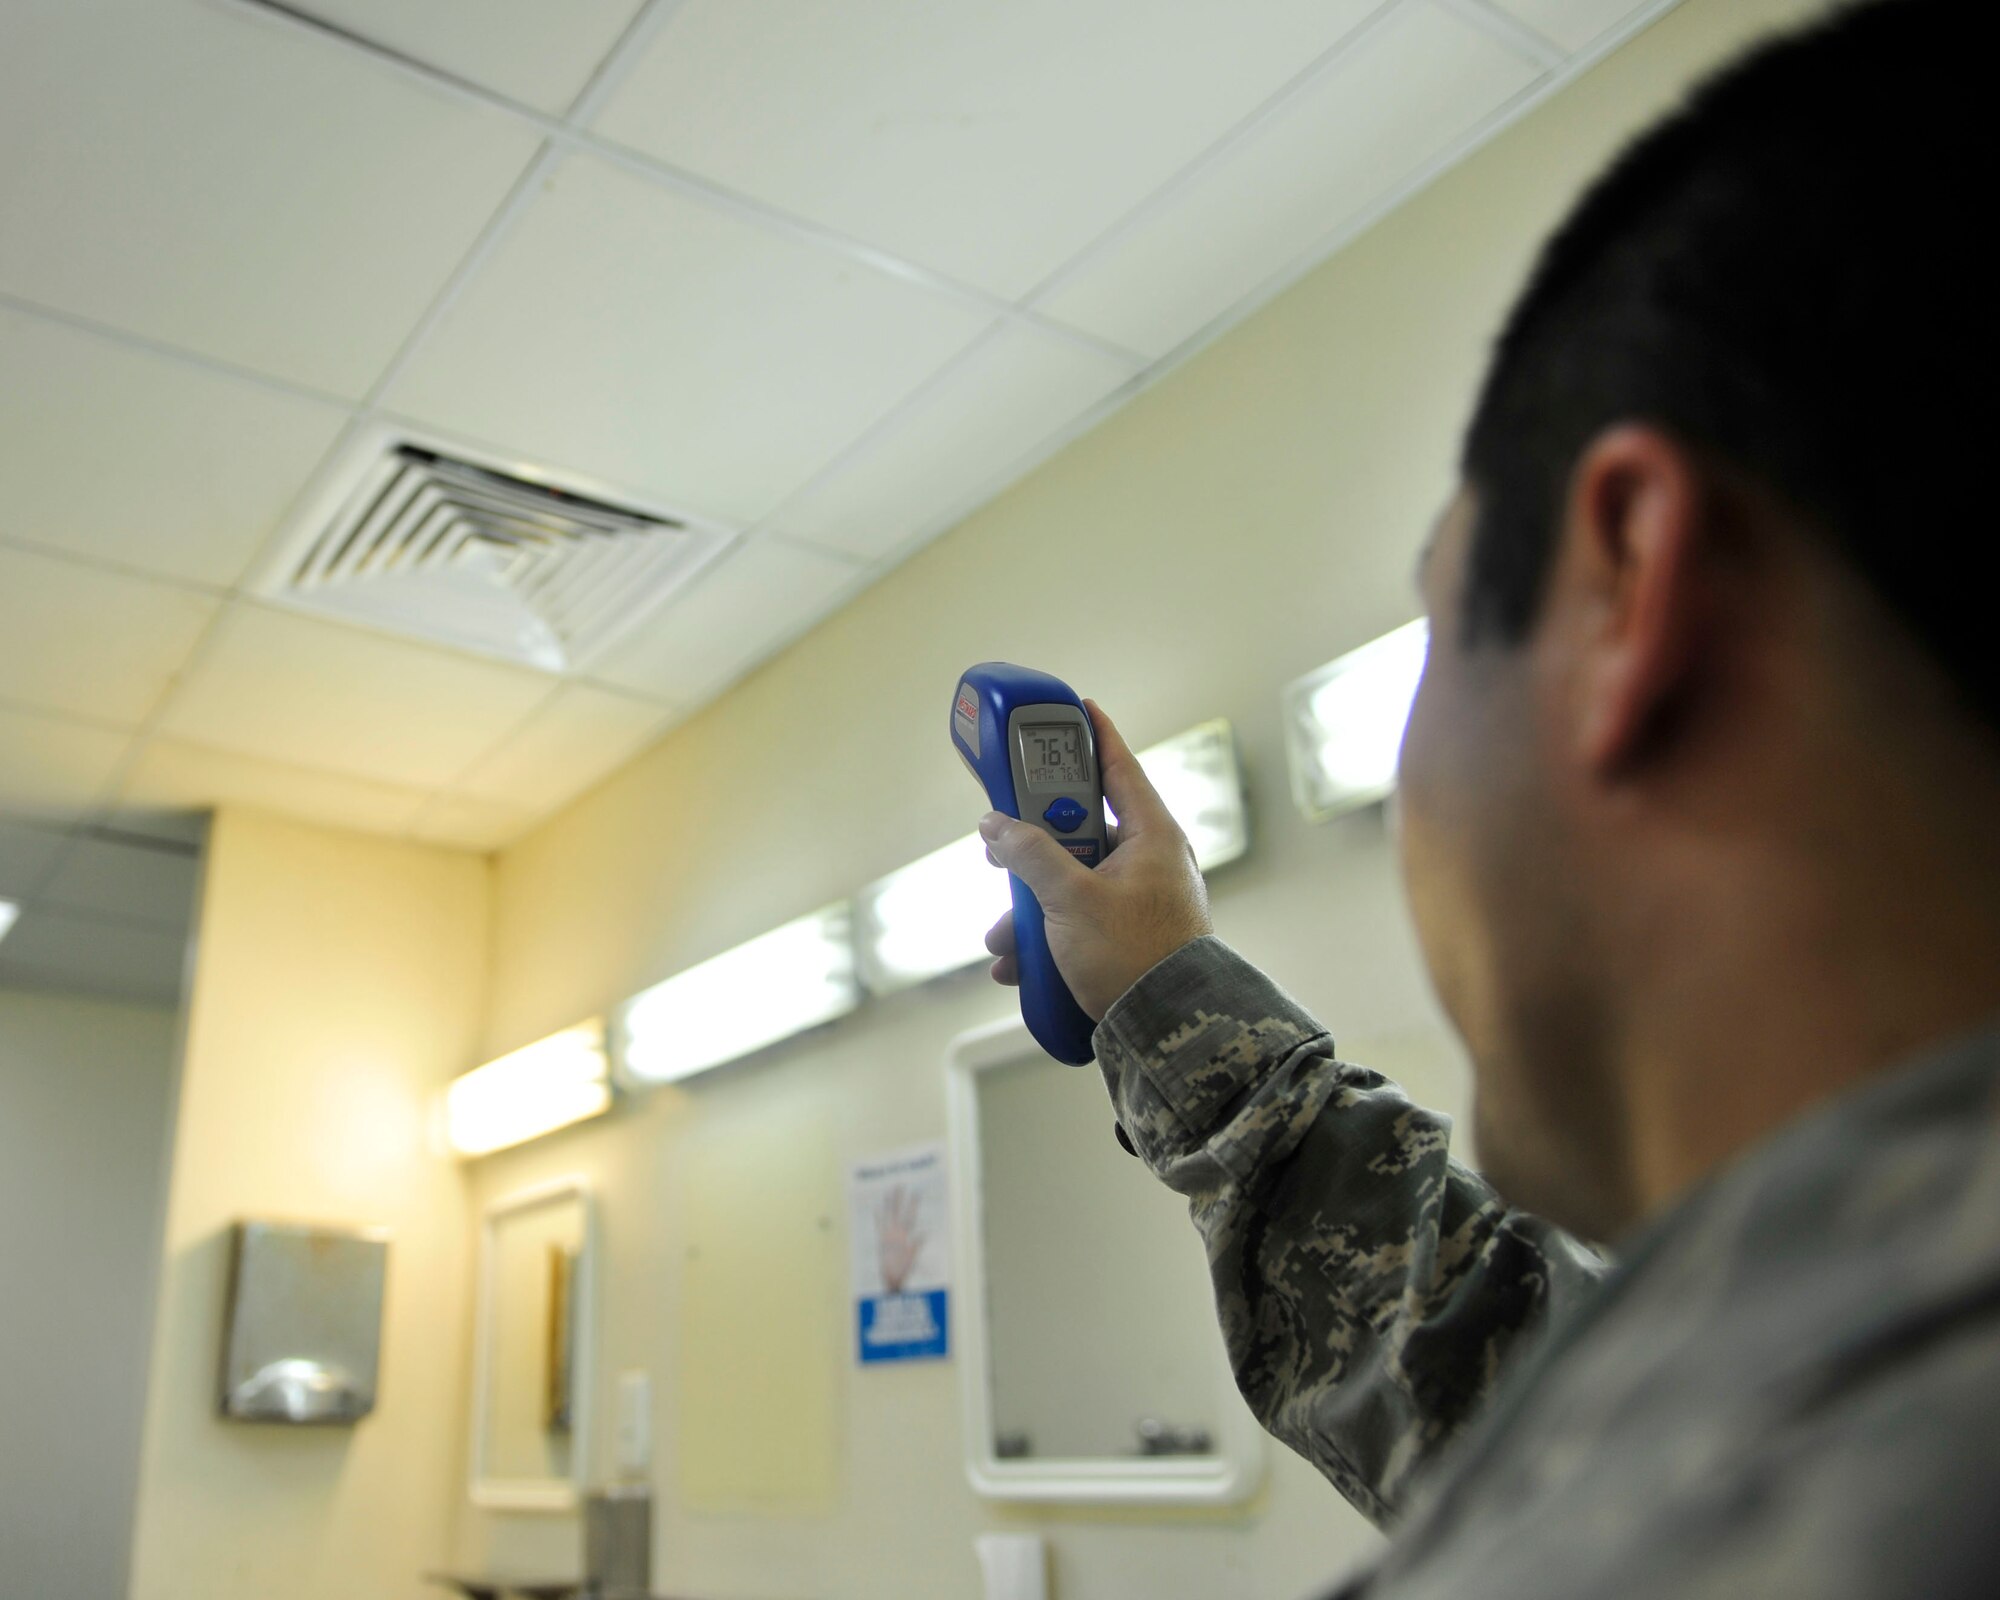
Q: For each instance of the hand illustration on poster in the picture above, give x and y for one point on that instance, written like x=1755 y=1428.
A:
x=899 y=1228
x=899 y=1237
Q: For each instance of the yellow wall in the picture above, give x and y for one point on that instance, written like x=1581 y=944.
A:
x=338 y=985
x=1251 y=517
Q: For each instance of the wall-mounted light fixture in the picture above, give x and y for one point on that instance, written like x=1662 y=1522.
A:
x=931 y=917
x=1198 y=776
x=779 y=984
x=919 y=922
x=532 y=1091
x=1344 y=722
x=8 y=913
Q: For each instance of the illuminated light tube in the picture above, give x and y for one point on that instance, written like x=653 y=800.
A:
x=8 y=913
x=779 y=984
x=537 y=1089
x=1198 y=777
x=1344 y=723
x=931 y=917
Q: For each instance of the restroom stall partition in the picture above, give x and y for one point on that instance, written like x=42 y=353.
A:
x=90 y=1028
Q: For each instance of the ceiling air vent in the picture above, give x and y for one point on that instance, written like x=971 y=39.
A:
x=447 y=550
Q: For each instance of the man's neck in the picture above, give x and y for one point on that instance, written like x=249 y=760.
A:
x=1865 y=932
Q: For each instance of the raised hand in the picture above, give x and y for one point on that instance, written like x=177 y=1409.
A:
x=1107 y=927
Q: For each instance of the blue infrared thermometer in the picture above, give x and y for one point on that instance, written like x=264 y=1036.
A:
x=1029 y=742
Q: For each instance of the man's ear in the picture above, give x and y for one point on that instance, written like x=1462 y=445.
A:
x=1632 y=550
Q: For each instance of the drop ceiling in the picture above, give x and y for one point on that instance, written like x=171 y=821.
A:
x=821 y=277
x=103 y=914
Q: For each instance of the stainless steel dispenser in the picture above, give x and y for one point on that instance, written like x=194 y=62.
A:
x=618 y=1542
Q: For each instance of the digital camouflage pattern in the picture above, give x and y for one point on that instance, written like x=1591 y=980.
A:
x=1789 y=1386
x=1369 y=1287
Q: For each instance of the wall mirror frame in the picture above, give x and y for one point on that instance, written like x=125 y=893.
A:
x=1232 y=1467
x=559 y=1326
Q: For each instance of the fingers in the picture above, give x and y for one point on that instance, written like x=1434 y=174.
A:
x=1000 y=937
x=1031 y=855
x=1126 y=785
x=1007 y=970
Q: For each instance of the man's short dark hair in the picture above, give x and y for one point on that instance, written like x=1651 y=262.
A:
x=1783 y=275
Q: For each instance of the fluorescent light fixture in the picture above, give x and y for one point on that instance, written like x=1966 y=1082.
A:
x=9 y=913
x=1344 y=722
x=535 y=1090
x=779 y=984
x=931 y=917
x=1198 y=777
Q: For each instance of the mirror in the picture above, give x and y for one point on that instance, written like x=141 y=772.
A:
x=531 y=1401
x=1094 y=1369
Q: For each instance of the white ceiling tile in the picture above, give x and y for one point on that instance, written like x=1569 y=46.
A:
x=529 y=50
x=1421 y=81
x=564 y=748
x=51 y=767
x=228 y=183
x=464 y=824
x=51 y=949
x=115 y=452
x=626 y=331
x=742 y=610
x=133 y=882
x=1573 y=24
x=1012 y=393
x=89 y=642
x=26 y=854
x=988 y=141
x=172 y=780
x=314 y=694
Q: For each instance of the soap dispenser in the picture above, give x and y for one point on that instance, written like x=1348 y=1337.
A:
x=618 y=1518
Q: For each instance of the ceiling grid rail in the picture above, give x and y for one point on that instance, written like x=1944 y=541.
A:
x=569 y=134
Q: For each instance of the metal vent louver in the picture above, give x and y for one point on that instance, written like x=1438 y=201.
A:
x=462 y=554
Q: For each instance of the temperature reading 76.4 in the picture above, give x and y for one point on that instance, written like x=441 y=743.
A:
x=1052 y=753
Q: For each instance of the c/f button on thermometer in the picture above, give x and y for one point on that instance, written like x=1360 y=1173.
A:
x=1029 y=742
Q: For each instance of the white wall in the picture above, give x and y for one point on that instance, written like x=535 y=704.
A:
x=86 y=1092
x=337 y=987
x=1253 y=516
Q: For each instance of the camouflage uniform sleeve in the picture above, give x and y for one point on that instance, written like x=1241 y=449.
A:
x=1369 y=1287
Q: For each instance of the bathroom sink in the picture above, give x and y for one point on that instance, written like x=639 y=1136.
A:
x=492 y=1588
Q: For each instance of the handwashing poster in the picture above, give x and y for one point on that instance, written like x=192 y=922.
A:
x=899 y=1234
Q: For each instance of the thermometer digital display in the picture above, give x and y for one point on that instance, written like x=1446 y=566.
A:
x=1052 y=754
x=1028 y=740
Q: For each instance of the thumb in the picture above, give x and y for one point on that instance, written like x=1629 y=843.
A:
x=1030 y=854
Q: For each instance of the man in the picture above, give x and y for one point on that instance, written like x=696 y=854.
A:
x=1700 y=820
